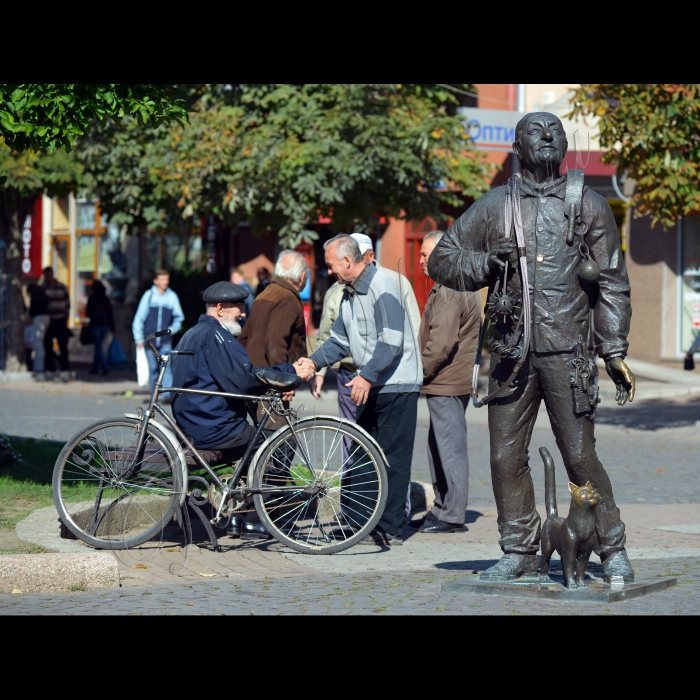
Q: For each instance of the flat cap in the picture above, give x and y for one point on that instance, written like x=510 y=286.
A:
x=223 y=292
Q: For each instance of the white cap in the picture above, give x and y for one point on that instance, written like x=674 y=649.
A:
x=365 y=242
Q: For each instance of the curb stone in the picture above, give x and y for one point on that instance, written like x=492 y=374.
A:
x=57 y=573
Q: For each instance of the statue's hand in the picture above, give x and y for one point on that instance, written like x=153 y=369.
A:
x=503 y=246
x=624 y=380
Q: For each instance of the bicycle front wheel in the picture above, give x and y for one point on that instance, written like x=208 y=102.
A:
x=323 y=489
x=109 y=495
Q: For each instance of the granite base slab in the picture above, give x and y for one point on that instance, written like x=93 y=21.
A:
x=596 y=591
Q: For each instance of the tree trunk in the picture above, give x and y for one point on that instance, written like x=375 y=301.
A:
x=14 y=209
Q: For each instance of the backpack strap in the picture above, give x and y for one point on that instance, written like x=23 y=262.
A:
x=572 y=201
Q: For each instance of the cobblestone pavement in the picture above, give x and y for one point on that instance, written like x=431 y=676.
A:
x=650 y=450
x=389 y=593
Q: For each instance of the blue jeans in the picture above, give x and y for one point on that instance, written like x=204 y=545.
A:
x=165 y=345
x=99 y=361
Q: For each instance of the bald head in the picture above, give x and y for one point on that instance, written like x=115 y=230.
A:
x=540 y=144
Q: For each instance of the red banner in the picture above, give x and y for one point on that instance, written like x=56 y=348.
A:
x=31 y=243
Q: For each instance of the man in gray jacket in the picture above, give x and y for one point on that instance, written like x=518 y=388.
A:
x=371 y=328
x=449 y=336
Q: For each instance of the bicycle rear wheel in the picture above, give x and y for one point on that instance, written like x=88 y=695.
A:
x=109 y=496
x=332 y=511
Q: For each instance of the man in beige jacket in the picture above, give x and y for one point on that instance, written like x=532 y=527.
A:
x=449 y=336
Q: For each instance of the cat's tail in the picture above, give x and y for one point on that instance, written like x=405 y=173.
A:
x=550 y=491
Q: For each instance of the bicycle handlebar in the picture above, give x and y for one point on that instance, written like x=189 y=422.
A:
x=157 y=334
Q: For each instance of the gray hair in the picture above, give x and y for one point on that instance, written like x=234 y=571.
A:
x=437 y=235
x=291 y=265
x=346 y=246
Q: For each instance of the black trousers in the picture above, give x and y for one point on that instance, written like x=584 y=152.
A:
x=511 y=421
x=240 y=441
x=391 y=420
x=59 y=330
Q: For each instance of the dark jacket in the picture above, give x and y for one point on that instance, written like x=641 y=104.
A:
x=276 y=330
x=99 y=311
x=38 y=302
x=562 y=307
x=58 y=300
x=219 y=363
x=449 y=336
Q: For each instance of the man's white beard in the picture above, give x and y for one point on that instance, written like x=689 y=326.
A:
x=233 y=327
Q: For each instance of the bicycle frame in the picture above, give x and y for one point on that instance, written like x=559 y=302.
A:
x=272 y=398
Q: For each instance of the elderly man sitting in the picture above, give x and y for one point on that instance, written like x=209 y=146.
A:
x=221 y=364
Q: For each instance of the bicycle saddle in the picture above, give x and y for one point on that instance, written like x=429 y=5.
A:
x=278 y=380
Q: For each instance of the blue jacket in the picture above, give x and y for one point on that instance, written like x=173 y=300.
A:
x=220 y=363
x=157 y=312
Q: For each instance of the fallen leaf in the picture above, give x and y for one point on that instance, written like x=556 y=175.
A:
x=139 y=566
x=16 y=590
x=190 y=604
x=206 y=575
x=173 y=549
x=661 y=469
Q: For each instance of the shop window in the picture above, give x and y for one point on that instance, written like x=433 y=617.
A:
x=86 y=216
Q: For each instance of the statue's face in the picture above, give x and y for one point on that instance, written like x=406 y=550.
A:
x=541 y=142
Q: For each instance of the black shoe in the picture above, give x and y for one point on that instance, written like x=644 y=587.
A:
x=382 y=539
x=254 y=531
x=617 y=568
x=427 y=518
x=438 y=525
x=234 y=527
x=510 y=567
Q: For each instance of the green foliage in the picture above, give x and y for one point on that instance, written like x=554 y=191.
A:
x=29 y=174
x=26 y=484
x=8 y=456
x=281 y=156
x=652 y=134
x=44 y=117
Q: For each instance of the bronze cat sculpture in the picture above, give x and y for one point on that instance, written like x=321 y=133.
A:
x=572 y=537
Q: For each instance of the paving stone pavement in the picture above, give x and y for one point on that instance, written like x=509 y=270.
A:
x=385 y=593
x=650 y=450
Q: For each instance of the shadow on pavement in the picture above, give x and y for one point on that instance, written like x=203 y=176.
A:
x=474 y=566
x=652 y=414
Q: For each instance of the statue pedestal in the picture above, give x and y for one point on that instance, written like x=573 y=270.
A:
x=596 y=591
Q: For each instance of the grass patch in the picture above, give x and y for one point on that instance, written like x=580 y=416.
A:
x=26 y=486
x=25 y=549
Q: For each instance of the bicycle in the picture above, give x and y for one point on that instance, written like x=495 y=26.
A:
x=318 y=484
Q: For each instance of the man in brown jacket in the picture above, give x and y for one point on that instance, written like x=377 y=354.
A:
x=276 y=330
x=449 y=335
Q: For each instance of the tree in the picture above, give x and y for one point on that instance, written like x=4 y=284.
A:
x=38 y=124
x=652 y=134
x=281 y=156
x=48 y=116
x=27 y=175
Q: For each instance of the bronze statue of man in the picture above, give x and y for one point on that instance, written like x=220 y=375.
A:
x=576 y=309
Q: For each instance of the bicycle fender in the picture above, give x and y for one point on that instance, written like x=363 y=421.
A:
x=178 y=448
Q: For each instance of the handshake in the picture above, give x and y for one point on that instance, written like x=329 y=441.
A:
x=305 y=368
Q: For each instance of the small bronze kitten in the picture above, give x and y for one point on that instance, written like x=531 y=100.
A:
x=572 y=537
